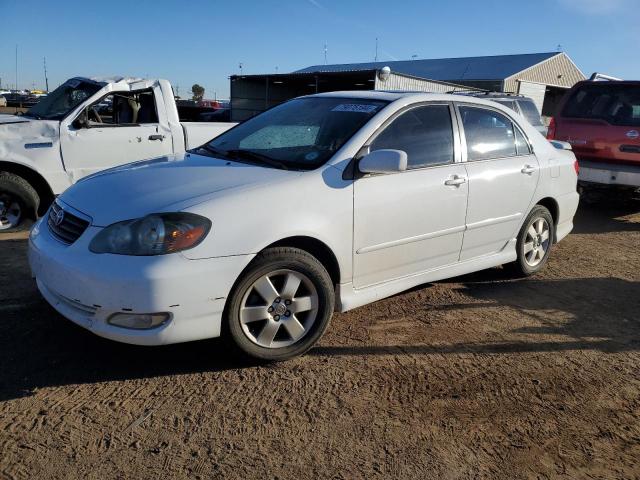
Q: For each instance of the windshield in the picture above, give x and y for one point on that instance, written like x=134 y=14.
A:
x=301 y=134
x=63 y=99
x=530 y=112
x=615 y=104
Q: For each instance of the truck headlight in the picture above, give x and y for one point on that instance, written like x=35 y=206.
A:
x=155 y=234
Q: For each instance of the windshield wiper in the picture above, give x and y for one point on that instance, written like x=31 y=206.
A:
x=256 y=158
x=213 y=150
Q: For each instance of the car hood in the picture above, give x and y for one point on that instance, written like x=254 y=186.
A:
x=163 y=184
x=4 y=119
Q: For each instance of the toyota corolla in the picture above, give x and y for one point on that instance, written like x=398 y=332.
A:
x=321 y=204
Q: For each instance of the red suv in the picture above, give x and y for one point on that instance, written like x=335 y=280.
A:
x=601 y=121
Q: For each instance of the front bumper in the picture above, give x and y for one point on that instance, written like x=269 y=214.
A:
x=609 y=174
x=89 y=288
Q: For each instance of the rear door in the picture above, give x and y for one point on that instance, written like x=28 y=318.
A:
x=503 y=175
x=410 y=222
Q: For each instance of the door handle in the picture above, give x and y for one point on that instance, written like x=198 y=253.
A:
x=455 y=181
x=156 y=137
x=528 y=169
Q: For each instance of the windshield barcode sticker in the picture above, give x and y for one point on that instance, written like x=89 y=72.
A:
x=355 y=107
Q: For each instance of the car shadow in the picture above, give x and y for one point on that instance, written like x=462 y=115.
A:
x=573 y=314
x=607 y=214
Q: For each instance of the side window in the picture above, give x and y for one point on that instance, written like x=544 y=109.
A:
x=425 y=133
x=522 y=146
x=489 y=134
x=125 y=108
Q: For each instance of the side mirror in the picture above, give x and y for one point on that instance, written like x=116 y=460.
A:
x=383 y=161
x=82 y=121
x=561 y=145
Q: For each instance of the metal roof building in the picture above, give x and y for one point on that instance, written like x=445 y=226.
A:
x=542 y=76
x=252 y=94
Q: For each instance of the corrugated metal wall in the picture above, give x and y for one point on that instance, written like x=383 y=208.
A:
x=558 y=71
x=404 y=82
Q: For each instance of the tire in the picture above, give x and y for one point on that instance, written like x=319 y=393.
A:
x=281 y=305
x=530 y=262
x=18 y=200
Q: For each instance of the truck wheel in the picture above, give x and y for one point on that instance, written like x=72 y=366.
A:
x=281 y=305
x=18 y=200
x=534 y=242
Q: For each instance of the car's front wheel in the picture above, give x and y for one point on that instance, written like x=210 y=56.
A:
x=281 y=305
x=534 y=241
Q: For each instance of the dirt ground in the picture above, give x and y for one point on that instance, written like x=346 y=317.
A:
x=483 y=376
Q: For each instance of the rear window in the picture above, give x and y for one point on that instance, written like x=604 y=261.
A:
x=615 y=104
x=530 y=112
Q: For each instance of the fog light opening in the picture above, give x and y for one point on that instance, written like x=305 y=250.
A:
x=139 y=321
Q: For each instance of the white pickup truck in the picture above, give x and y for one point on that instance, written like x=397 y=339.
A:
x=84 y=126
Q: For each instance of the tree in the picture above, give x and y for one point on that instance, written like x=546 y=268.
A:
x=198 y=92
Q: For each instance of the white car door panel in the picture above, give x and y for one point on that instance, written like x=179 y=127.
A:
x=113 y=139
x=501 y=188
x=407 y=223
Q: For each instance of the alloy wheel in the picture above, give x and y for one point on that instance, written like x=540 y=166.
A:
x=537 y=240
x=279 y=309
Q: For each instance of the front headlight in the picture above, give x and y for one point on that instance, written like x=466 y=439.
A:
x=156 y=234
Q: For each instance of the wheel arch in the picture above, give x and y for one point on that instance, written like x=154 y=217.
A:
x=37 y=181
x=550 y=204
x=315 y=247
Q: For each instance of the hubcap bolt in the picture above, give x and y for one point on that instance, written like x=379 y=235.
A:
x=287 y=313
x=276 y=317
x=278 y=300
x=287 y=302
x=270 y=309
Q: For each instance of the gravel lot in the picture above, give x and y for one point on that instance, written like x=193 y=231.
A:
x=482 y=376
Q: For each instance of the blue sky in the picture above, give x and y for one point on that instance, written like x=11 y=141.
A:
x=204 y=41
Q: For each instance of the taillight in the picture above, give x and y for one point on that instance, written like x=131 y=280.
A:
x=551 y=131
x=576 y=166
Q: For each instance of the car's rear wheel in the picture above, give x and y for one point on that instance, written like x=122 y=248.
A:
x=534 y=241
x=18 y=200
x=281 y=305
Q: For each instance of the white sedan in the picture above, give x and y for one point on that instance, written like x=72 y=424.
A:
x=321 y=204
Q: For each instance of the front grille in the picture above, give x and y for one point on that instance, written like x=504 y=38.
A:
x=68 y=228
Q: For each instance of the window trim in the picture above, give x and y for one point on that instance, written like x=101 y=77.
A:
x=457 y=150
x=120 y=125
x=463 y=138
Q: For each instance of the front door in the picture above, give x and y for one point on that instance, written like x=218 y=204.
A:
x=410 y=222
x=123 y=127
x=503 y=176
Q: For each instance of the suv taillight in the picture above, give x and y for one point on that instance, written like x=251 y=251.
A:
x=576 y=166
x=551 y=131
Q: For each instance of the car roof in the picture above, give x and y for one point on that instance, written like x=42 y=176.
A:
x=404 y=96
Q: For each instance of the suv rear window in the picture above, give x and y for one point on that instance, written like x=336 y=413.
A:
x=530 y=112
x=615 y=104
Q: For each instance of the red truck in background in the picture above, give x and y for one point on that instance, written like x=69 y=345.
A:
x=601 y=121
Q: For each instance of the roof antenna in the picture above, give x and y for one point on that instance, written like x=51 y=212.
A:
x=375 y=59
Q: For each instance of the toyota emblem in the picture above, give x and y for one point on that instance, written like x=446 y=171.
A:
x=59 y=217
x=633 y=134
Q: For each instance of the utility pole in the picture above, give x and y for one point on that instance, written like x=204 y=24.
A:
x=46 y=80
x=375 y=59
x=240 y=66
x=17 y=67
x=325 y=53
